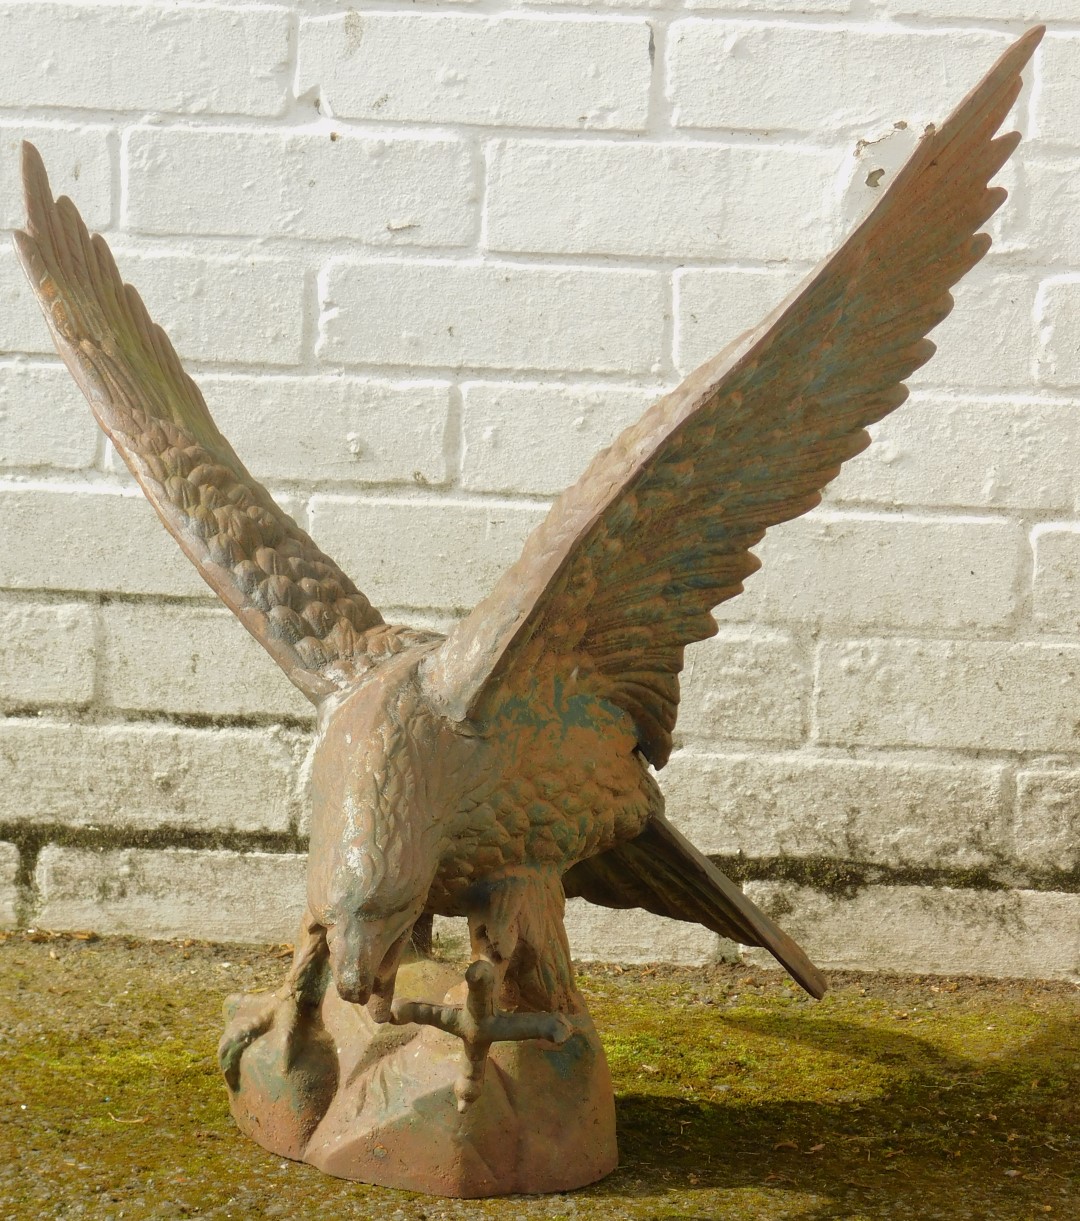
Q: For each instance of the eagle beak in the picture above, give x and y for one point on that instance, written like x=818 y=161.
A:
x=364 y=960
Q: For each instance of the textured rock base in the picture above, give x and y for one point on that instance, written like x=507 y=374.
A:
x=376 y=1103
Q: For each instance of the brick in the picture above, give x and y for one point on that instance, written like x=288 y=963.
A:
x=185 y=659
x=1052 y=197
x=400 y=553
x=79 y=164
x=983 y=695
x=917 y=929
x=1056 y=584
x=969 y=453
x=773 y=6
x=714 y=307
x=1047 y=817
x=1057 y=103
x=762 y=77
x=539 y=438
x=984 y=10
x=745 y=684
x=172 y=892
x=441 y=314
x=83 y=539
x=672 y=200
x=1058 y=352
x=987 y=340
x=897 y=811
x=887 y=571
x=44 y=419
x=459 y=68
x=22 y=328
x=334 y=429
x=144 y=777
x=9 y=890
x=601 y=934
x=247 y=310
x=386 y=191
x=46 y=654
x=450 y=935
x=190 y=59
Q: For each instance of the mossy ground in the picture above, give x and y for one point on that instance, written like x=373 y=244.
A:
x=737 y=1097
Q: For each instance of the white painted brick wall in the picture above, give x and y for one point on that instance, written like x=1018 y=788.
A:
x=424 y=264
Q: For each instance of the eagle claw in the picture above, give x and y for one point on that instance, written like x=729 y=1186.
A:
x=478 y=1023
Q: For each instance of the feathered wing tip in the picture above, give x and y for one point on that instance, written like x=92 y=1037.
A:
x=662 y=872
x=292 y=597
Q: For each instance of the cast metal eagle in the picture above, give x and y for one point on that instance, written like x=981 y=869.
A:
x=491 y=772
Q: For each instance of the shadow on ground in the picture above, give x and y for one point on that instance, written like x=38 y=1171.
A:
x=893 y=1098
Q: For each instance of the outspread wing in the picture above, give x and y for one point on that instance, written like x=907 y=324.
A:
x=623 y=572
x=292 y=598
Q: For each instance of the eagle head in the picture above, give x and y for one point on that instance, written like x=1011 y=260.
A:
x=376 y=831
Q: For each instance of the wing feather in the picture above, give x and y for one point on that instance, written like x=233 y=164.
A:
x=292 y=598
x=631 y=559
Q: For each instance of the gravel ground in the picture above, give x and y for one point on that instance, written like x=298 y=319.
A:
x=737 y=1097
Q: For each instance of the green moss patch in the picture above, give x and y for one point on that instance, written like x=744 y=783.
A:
x=737 y=1097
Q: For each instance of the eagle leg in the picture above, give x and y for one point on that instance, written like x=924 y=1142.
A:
x=479 y=1023
x=298 y=998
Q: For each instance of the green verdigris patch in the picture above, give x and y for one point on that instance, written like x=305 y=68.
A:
x=737 y=1097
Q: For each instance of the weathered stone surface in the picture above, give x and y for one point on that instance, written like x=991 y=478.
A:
x=539 y=438
x=900 y=810
x=79 y=153
x=1055 y=198
x=190 y=660
x=867 y=571
x=674 y=200
x=454 y=552
x=1057 y=109
x=1047 y=832
x=46 y=653
x=1058 y=351
x=600 y=934
x=969 y=694
x=335 y=429
x=1056 y=584
x=43 y=419
x=988 y=338
x=144 y=777
x=750 y=684
x=171 y=892
x=9 y=894
x=483 y=69
x=87 y=538
x=960 y=453
x=1020 y=933
x=452 y=315
x=190 y=59
x=723 y=74
x=381 y=191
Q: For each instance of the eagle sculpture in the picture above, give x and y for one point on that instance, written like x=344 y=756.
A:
x=493 y=772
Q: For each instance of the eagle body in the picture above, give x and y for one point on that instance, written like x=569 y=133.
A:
x=409 y=811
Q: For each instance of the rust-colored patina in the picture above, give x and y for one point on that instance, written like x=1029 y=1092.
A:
x=493 y=772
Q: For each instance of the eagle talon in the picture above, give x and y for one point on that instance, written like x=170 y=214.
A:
x=478 y=1023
